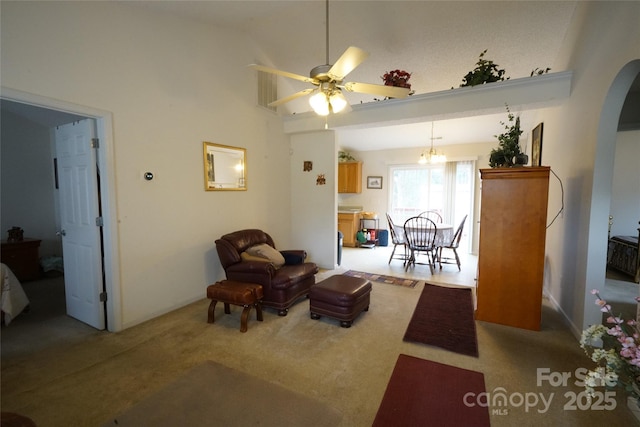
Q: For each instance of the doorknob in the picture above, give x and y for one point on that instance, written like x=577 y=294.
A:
x=61 y=233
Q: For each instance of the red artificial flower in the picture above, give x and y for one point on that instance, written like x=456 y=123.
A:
x=398 y=78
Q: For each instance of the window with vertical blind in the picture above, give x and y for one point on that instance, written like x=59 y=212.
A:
x=415 y=189
x=446 y=188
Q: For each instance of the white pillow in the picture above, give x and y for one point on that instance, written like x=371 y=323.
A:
x=246 y=257
x=266 y=251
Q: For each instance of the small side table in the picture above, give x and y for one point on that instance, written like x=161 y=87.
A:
x=22 y=257
x=244 y=294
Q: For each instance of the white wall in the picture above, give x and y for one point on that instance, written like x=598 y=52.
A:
x=28 y=189
x=170 y=85
x=578 y=143
x=625 y=193
x=377 y=163
x=313 y=204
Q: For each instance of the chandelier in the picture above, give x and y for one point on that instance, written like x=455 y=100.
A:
x=432 y=156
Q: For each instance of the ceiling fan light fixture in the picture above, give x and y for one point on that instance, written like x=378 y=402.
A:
x=327 y=100
x=328 y=97
x=320 y=103
x=338 y=101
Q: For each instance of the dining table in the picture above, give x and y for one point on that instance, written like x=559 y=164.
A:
x=444 y=233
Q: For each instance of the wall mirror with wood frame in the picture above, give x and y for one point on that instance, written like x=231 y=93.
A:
x=225 y=167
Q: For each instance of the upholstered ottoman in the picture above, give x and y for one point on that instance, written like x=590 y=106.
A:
x=340 y=297
x=237 y=293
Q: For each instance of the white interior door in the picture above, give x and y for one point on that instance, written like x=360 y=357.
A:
x=79 y=212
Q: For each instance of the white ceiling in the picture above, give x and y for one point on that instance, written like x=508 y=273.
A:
x=437 y=41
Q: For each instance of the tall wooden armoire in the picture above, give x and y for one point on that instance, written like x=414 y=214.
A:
x=513 y=221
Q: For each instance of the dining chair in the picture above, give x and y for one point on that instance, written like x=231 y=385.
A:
x=453 y=245
x=420 y=233
x=398 y=239
x=432 y=215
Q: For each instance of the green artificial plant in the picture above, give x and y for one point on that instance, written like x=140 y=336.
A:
x=508 y=143
x=486 y=71
x=539 y=71
x=344 y=156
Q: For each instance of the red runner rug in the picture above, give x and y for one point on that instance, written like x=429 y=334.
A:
x=425 y=393
x=444 y=318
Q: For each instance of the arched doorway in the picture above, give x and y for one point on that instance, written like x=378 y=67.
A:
x=601 y=187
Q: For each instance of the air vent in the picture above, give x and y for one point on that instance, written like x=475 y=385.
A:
x=267 y=89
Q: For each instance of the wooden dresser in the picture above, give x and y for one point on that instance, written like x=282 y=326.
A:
x=22 y=257
x=512 y=245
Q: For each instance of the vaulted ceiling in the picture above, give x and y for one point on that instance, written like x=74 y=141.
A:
x=437 y=41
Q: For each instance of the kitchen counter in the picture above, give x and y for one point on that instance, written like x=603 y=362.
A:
x=348 y=223
x=349 y=209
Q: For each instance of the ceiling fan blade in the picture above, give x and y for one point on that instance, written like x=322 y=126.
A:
x=283 y=73
x=291 y=97
x=382 y=90
x=350 y=59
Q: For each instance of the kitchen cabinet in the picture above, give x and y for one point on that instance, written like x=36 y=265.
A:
x=350 y=177
x=513 y=219
x=348 y=224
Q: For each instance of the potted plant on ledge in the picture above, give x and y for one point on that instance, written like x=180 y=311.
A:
x=508 y=153
x=396 y=78
x=486 y=71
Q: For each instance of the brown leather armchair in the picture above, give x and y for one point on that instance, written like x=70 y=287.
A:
x=283 y=286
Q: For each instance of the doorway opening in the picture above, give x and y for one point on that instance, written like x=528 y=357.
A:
x=621 y=287
x=625 y=86
x=43 y=109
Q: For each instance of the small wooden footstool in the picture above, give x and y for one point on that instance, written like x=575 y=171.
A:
x=237 y=293
x=340 y=297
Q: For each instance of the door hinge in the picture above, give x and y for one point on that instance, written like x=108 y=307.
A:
x=99 y=221
x=103 y=296
x=95 y=143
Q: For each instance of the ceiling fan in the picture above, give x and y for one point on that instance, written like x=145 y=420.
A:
x=329 y=81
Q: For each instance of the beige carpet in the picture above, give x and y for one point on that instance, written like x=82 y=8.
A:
x=211 y=394
x=67 y=381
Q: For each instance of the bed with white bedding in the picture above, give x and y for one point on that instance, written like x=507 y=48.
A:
x=13 y=299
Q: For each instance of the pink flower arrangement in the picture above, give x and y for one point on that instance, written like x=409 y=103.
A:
x=619 y=357
x=398 y=78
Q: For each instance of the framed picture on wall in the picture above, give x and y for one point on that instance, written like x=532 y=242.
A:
x=374 y=182
x=536 y=146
